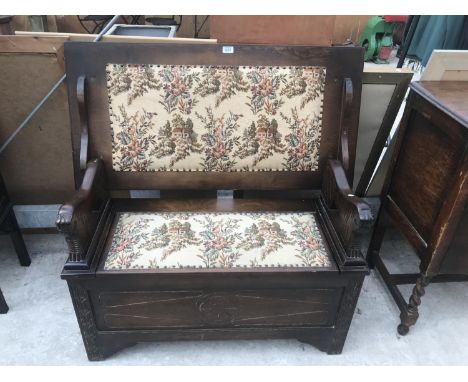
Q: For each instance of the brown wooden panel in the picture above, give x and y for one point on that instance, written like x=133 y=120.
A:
x=37 y=165
x=201 y=308
x=212 y=205
x=90 y=60
x=32 y=44
x=349 y=27
x=424 y=172
x=411 y=233
x=292 y=30
x=70 y=24
x=449 y=96
x=456 y=258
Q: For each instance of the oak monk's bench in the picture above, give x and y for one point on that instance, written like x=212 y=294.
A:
x=276 y=124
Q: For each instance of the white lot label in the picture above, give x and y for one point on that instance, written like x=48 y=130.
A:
x=228 y=49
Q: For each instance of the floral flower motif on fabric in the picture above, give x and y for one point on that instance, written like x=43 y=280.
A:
x=134 y=139
x=261 y=140
x=265 y=86
x=172 y=237
x=176 y=140
x=307 y=238
x=305 y=82
x=125 y=247
x=133 y=80
x=219 y=140
x=265 y=235
x=178 y=82
x=216 y=240
x=224 y=82
x=216 y=118
x=302 y=143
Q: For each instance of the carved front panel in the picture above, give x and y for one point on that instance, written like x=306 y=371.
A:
x=215 y=118
x=198 y=309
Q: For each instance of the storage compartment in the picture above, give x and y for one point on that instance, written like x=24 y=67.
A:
x=224 y=309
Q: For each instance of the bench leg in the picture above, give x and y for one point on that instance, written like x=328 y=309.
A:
x=17 y=239
x=84 y=315
x=97 y=349
x=410 y=315
x=3 y=305
x=345 y=315
x=318 y=343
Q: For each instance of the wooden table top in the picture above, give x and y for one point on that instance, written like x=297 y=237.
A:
x=449 y=96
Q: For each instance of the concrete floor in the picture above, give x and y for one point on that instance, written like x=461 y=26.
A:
x=41 y=328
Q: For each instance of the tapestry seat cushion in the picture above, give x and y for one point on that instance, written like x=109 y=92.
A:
x=216 y=240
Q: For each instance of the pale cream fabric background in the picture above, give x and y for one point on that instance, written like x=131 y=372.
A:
x=237 y=104
x=131 y=241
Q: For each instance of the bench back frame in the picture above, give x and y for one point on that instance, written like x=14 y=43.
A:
x=90 y=122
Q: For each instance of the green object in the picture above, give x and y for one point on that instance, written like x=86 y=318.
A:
x=376 y=35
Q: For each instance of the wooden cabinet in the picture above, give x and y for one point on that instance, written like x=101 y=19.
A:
x=426 y=190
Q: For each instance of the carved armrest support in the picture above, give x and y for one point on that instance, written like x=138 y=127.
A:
x=78 y=218
x=351 y=216
x=345 y=122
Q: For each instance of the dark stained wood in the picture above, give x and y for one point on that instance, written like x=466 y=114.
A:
x=410 y=314
x=213 y=205
x=456 y=261
x=345 y=315
x=411 y=233
x=9 y=225
x=209 y=308
x=81 y=218
x=3 y=305
x=411 y=278
x=90 y=60
x=87 y=295
x=401 y=81
x=427 y=162
x=352 y=215
x=81 y=97
x=426 y=191
x=116 y=309
x=346 y=121
x=448 y=96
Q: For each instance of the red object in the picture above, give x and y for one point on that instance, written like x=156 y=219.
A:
x=396 y=19
x=385 y=52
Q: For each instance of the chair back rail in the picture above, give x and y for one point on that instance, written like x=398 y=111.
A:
x=180 y=116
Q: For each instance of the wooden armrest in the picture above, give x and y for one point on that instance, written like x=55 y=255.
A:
x=351 y=216
x=79 y=217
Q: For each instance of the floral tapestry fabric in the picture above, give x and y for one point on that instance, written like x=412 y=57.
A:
x=215 y=118
x=216 y=240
